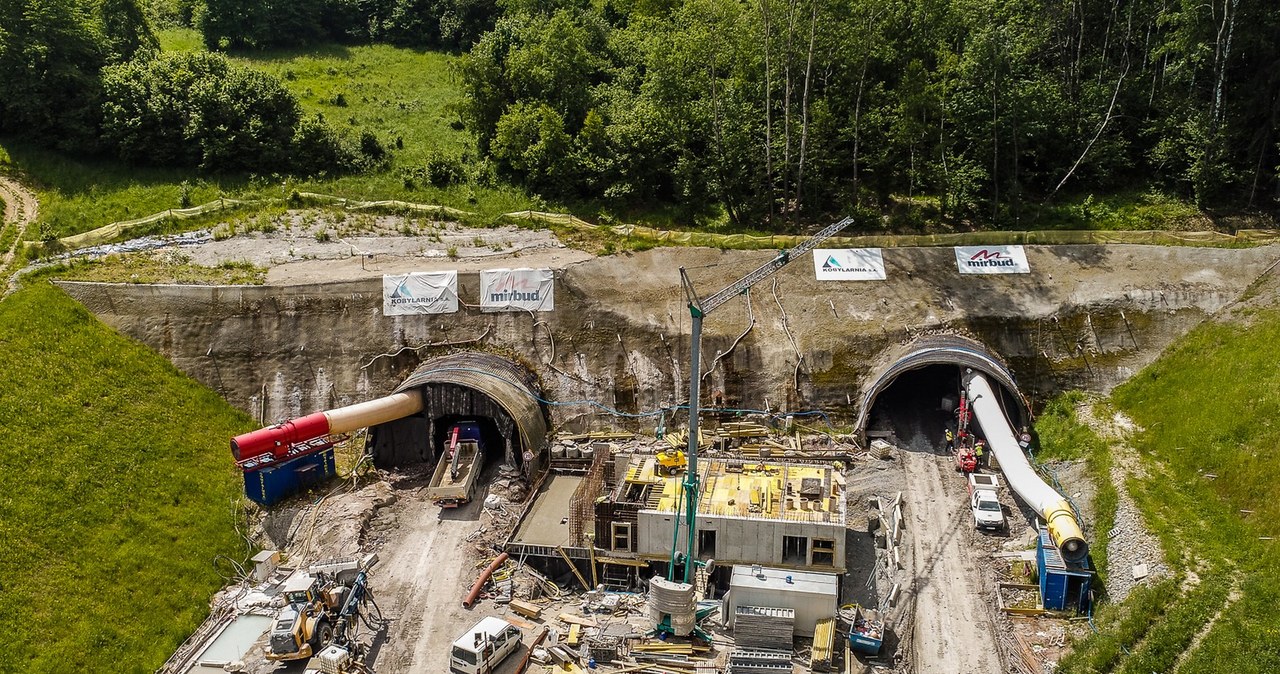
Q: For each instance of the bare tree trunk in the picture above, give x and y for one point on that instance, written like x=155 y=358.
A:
x=1106 y=119
x=804 y=108
x=786 y=96
x=768 y=106
x=1221 y=56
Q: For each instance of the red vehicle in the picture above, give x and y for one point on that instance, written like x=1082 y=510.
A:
x=966 y=460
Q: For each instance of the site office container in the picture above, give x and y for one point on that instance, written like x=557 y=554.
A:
x=813 y=596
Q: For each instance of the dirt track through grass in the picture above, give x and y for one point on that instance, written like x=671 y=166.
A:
x=20 y=210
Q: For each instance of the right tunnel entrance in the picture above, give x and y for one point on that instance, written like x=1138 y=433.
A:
x=914 y=394
x=918 y=405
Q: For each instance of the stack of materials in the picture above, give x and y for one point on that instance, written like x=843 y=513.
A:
x=669 y=598
x=824 y=638
x=764 y=627
x=759 y=661
x=603 y=649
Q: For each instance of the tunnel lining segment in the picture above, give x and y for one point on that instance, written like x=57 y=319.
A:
x=511 y=386
x=939 y=350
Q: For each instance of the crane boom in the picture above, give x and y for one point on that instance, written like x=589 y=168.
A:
x=769 y=268
x=699 y=309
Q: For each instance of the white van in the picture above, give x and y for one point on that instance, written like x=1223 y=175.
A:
x=482 y=647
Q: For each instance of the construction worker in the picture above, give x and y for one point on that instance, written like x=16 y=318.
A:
x=978 y=450
x=951 y=441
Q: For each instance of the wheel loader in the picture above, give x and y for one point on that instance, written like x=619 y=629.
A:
x=305 y=624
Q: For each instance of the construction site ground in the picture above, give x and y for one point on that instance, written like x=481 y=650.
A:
x=944 y=617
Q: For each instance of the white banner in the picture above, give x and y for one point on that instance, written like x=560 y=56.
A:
x=517 y=290
x=992 y=260
x=848 y=264
x=420 y=293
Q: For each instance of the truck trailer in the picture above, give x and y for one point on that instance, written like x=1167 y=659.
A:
x=459 y=467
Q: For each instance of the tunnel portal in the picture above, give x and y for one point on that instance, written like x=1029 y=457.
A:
x=915 y=395
x=501 y=396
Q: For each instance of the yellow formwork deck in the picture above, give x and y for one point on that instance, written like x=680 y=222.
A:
x=770 y=490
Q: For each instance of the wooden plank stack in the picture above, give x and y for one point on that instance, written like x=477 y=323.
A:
x=764 y=627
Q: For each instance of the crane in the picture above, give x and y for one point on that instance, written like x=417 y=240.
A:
x=699 y=309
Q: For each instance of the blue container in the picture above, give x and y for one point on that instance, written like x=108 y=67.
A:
x=268 y=486
x=1064 y=586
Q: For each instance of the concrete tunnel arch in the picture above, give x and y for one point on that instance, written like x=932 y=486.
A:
x=465 y=385
x=923 y=352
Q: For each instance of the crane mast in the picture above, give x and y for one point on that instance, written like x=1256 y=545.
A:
x=699 y=309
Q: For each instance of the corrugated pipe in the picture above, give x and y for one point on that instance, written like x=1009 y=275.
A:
x=1022 y=478
x=474 y=594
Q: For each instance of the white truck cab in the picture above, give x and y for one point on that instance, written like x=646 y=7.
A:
x=483 y=647
x=984 y=502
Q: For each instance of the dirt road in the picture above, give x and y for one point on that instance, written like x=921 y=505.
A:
x=426 y=566
x=952 y=626
x=21 y=208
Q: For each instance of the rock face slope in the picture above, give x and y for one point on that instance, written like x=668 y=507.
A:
x=1086 y=317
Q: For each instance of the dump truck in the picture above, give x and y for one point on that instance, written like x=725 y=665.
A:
x=984 y=501
x=459 y=467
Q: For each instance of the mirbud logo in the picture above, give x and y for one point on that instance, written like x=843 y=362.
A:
x=992 y=260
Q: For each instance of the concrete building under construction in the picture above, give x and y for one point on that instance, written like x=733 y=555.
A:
x=789 y=515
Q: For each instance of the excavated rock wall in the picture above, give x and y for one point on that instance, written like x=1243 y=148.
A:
x=1087 y=317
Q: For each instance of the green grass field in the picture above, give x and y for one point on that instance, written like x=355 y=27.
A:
x=1063 y=437
x=404 y=96
x=116 y=492
x=1209 y=409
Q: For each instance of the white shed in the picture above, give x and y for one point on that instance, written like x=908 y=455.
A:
x=813 y=596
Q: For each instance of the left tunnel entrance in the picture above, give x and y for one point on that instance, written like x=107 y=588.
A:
x=501 y=396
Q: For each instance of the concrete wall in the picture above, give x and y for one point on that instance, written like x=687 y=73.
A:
x=1087 y=317
x=741 y=540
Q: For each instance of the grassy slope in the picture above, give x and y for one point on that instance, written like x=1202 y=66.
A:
x=1209 y=407
x=1063 y=437
x=115 y=493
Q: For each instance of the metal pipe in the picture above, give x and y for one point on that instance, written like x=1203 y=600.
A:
x=1022 y=478
x=691 y=472
x=280 y=437
x=474 y=594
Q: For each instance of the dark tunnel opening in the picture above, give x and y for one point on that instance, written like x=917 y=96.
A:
x=495 y=445
x=917 y=407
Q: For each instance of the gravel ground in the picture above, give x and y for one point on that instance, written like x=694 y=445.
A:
x=1130 y=542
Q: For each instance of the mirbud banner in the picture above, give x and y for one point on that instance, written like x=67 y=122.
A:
x=517 y=290
x=420 y=293
x=992 y=260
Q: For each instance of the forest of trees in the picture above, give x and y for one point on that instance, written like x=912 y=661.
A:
x=87 y=76
x=772 y=111
x=794 y=108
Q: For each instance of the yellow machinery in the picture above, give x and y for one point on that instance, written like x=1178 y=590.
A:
x=305 y=624
x=671 y=461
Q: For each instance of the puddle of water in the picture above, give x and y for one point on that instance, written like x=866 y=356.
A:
x=236 y=639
